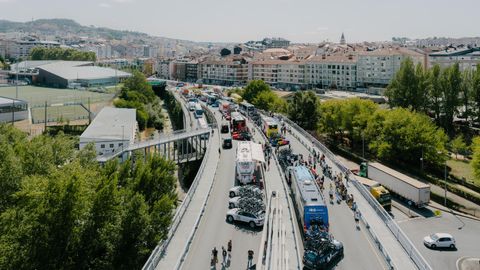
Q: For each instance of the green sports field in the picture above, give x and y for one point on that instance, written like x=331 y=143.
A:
x=36 y=97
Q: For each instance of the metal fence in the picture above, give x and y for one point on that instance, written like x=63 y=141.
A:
x=402 y=238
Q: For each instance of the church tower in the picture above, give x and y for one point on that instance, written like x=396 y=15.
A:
x=342 y=40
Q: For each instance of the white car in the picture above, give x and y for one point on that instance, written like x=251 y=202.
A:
x=253 y=219
x=439 y=240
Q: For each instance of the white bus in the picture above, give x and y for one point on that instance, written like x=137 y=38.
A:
x=191 y=105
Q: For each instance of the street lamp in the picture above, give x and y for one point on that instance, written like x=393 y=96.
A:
x=444 y=180
x=363 y=146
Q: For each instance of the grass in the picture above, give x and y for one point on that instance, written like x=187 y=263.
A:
x=462 y=168
x=38 y=95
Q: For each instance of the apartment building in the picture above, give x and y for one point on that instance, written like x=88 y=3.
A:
x=226 y=71
x=21 y=48
x=376 y=68
x=191 y=71
x=279 y=73
x=331 y=72
x=467 y=58
x=162 y=68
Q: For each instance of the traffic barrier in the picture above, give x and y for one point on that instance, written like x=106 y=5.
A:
x=402 y=238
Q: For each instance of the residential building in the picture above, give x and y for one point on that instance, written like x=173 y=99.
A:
x=21 y=48
x=332 y=72
x=376 y=68
x=467 y=58
x=231 y=70
x=275 y=43
x=162 y=68
x=112 y=130
x=178 y=70
x=191 y=71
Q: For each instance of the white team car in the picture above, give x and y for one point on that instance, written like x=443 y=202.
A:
x=253 y=219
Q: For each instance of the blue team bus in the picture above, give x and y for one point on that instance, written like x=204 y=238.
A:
x=309 y=202
x=198 y=111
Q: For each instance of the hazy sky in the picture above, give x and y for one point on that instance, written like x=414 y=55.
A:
x=240 y=21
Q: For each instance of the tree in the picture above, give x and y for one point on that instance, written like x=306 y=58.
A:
x=303 y=109
x=458 y=145
x=450 y=84
x=475 y=163
x=269 y=101
x=68 y=54
x=225 y=52
x=476 y=93
x=466 y=89
x=403 y=90
x=435 y=92
x=254 y=88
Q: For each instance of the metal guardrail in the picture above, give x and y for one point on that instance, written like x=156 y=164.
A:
x=402 y=238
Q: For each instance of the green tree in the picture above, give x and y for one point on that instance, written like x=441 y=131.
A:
x=450 y=83
x=269 y=101
x=303 y=109
x=475 y=163
x=476 y=93
x=458 y=145
x=435 y=92
x=404 y=87
x=253 y=89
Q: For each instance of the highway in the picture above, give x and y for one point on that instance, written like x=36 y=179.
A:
x=360 y=251
x=214 y=230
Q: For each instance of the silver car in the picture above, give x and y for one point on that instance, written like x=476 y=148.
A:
x=439 y=240
x=253 y=219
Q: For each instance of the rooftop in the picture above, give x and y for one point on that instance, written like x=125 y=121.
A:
x=72 y=70
x=112 y=124
x=8 y=101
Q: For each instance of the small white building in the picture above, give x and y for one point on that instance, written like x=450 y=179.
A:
x=112 y=130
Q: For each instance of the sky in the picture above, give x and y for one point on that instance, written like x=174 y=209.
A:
x=309 y=21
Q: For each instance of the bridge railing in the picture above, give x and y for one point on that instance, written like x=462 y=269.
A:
x=402 y=238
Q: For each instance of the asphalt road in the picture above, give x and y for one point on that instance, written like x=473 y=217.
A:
x=467 y=238
x=360 y=251
x=214 y=230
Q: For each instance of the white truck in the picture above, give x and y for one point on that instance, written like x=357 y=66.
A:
x=405 y=186
x=245 y=164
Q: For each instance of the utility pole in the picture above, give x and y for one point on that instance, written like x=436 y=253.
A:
x=13 y=112
x=45 y=127
x=445 y=180
x=16 y=80
x=89 y=112
x=363 y=146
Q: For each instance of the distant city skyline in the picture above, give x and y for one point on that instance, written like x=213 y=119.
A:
x=309 y=21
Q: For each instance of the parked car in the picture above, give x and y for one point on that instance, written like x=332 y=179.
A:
x=225 y=128
x=227 y=143
x=253 y=219
x=280 y=141
x=439 y=240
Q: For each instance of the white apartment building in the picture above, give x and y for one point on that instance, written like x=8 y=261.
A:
x=377 y=68
x=467 y=58
x=22 y=48
x=227 y=71
x=332 y=72
x=162 y=67
x=279 y=73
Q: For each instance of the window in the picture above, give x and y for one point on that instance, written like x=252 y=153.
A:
x=120 y=144
x=102 y=146
x=111 y=145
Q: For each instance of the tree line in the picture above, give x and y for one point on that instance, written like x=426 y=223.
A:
x=443 y=94
x=137 y=93
x=59 y=209
x=40 y=53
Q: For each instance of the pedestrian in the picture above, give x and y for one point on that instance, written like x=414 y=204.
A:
x=229 y=246
x=268 y=164
x=250 y=259
x=214 y=253
x=224 y=255
x=357 y=218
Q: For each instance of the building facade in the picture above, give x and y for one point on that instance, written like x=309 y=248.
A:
x=228 y=71
x=468 y=58
x=332 y=72
x=376 y=68
x=21 y=48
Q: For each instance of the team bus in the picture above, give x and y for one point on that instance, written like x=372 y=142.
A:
x=198 y=111
x=308 y=200
x=238 y=122
x=269 y=126
x=247 y=108
x=202 y=124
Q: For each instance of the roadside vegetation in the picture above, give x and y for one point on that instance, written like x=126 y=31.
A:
x=59 y=209
x=40 y=53
x=137 y=93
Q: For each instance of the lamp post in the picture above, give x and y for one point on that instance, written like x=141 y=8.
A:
x=444 y=180
x=363 y=146
x=16 y=79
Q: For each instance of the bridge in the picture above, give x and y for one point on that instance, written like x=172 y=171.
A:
x=199 y=223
